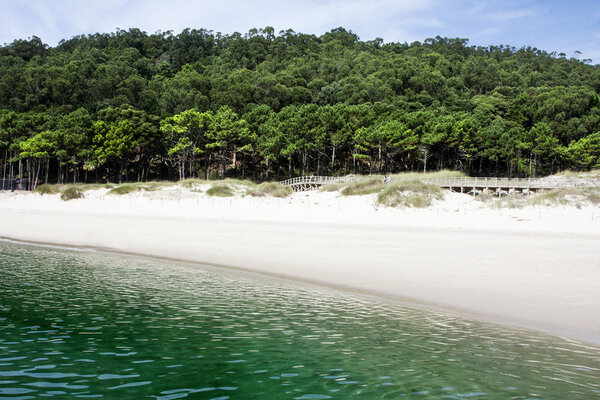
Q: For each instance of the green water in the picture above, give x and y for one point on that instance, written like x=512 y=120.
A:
x=91 y=325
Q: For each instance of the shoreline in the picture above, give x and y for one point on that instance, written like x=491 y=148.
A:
x=545 y=280
x=366 y=294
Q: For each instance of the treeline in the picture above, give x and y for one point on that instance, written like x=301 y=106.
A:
x=128 y=105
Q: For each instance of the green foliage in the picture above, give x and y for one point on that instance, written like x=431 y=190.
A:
x=47 y=189
x=220 y=190
x=70 y=193
x=106 y=107
x=272 y=189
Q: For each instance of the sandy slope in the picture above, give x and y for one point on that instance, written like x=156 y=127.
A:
x=535 y=267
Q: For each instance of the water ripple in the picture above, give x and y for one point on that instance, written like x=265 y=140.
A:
x=90 y=325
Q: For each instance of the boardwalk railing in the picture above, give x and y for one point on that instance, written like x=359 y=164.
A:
x=463 y=184
x=312 y=182
x=513 y=183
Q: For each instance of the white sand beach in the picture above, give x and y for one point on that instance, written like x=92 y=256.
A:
x=535 y=267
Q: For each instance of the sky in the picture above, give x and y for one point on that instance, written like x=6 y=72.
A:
x=567 y=27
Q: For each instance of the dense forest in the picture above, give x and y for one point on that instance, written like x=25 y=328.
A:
x=263 y=105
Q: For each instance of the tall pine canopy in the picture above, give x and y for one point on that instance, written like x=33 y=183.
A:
x=265 y=105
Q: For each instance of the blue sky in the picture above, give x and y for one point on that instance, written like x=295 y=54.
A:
x=561 y=26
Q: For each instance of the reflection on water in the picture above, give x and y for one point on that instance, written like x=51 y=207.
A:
x=88 y=325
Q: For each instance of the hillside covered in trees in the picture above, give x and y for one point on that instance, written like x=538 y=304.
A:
x=266 y=105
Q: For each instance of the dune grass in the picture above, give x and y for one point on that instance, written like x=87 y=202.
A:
x=130 y=187
x=47 y=189
x=404 y=190
x=361 y=187
x=82 y=187
x=595 y=173
x=240 y=182
x=566 y=196
x=426 y=175
x=409 y=193
x=374 y=184
x=331 y=187
x=70 y=193
x=124 y=188
x=220 y=190
x=192 y=184
x=272 y=189
x=570 y=197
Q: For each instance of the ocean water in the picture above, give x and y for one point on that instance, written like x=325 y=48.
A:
x=79 y=324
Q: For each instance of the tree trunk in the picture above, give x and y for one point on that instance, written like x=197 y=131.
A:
x=47 y=170
x=28 y=167
x=39 y=165
x=333 y=158
x=4 y=166
x=11 y=177
x=304 y=167
x=120 y=172
x=223 y=164
x=319 y=164
x=234 y=160
x=206 y=166
x=243 y=166
x=290 y=168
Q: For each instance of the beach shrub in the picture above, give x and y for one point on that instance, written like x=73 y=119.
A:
x=272 y=189
x=331 y=187
x=220 y=190
x=47 y=189
x=71 y=193
x=409 y=193
x=363 y=186
x=124 y=189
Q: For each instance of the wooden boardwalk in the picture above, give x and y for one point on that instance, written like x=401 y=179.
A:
x=500 y=186
x=475 y=185
x=302 y=183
